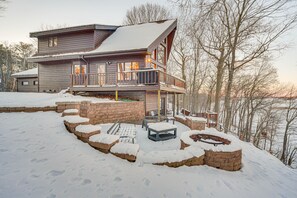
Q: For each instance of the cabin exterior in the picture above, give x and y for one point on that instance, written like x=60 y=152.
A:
x=128 y=61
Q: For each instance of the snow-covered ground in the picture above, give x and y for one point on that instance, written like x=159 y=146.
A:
x=39 y=158
x=16 y=99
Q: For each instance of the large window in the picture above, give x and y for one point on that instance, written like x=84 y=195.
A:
x=79 y=69
x=125 y=68
x=52 y=41
x=162 y=54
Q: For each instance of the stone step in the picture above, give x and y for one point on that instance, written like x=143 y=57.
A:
x=70 y=112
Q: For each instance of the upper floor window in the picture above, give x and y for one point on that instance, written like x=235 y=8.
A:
x=52 y=41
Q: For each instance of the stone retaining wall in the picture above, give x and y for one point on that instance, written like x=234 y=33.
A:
x=26 y=109
x=109 y=112
x=192 y=124
x=230 y=161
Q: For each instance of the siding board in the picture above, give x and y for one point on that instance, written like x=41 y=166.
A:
x=54 y=76
x=27 y=88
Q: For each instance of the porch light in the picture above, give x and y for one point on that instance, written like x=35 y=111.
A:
x=148 y=60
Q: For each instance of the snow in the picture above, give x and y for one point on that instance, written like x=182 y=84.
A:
x=75 y=119
x=171 y=155
x=17 y=99
x=131 y=37
x=87 y=128
x=26 y=73
x=104 y=138
x=199 y=119
x=39 y=158
x=125 y=148
x=71 y=111
x=160 y=126
x=233 y=146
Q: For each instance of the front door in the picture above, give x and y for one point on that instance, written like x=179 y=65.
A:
x=101 y=71
x=79 y=72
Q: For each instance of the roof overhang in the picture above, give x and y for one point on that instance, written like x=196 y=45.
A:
x=60 y=57
x=73 y=29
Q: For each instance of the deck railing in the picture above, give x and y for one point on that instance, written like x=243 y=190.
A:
x=130 y=78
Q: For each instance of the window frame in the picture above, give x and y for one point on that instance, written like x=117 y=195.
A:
x=25 y=83
x=52 y=41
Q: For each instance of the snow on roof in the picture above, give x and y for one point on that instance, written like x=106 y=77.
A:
x=27 y=73
x=133 y=37
x=125 y=38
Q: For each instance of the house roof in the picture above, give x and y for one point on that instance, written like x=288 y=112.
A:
x=126 y=39
x=73 y=29
x=30 y=73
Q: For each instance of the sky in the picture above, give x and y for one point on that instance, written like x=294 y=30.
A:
x=24 y=16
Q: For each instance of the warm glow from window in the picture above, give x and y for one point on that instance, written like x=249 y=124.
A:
x=135 y=66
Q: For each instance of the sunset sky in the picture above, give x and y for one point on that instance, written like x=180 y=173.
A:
x=22 y=17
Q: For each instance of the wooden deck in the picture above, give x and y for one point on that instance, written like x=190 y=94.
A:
x=139 y=80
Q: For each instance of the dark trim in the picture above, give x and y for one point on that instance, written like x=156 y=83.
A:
x=73 y=29
x=86 y=55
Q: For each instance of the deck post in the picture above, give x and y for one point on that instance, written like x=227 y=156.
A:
x=177 y=105
x=116 y=95
x=159 y=105
x=173 y=104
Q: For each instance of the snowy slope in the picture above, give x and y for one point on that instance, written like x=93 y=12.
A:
x=17 y=99
x=39 y=158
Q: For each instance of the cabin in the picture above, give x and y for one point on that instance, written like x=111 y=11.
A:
x=27 y=81
x=124 y=61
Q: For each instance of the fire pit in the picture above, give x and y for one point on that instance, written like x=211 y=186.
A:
x=220 y=149
x=210 y=139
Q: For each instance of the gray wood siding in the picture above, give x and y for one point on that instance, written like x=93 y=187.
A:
x=151 y=101
x=67 y=43
x=100 y=36
x=54 y=76
x=27 y=88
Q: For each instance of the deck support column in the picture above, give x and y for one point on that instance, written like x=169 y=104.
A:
x=159 y=105
x=173 y=104
x=116 y=95
x=177 y=105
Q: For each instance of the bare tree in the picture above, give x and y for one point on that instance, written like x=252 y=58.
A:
x=2 y=6
x=290 y=118
x=146 y=13
x=252 y=26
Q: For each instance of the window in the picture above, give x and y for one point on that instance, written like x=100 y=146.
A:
x=35 y=82
x=161 y=54
x=125 y=69
x=25 y=83
x=52 y=41
x=79 y=69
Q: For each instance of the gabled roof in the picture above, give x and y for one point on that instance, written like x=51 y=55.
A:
x=126 y=39
x=30 y=73
x=134 y=37
x=73 y=29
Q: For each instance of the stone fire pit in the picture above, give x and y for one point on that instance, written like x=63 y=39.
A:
x=220 y=149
